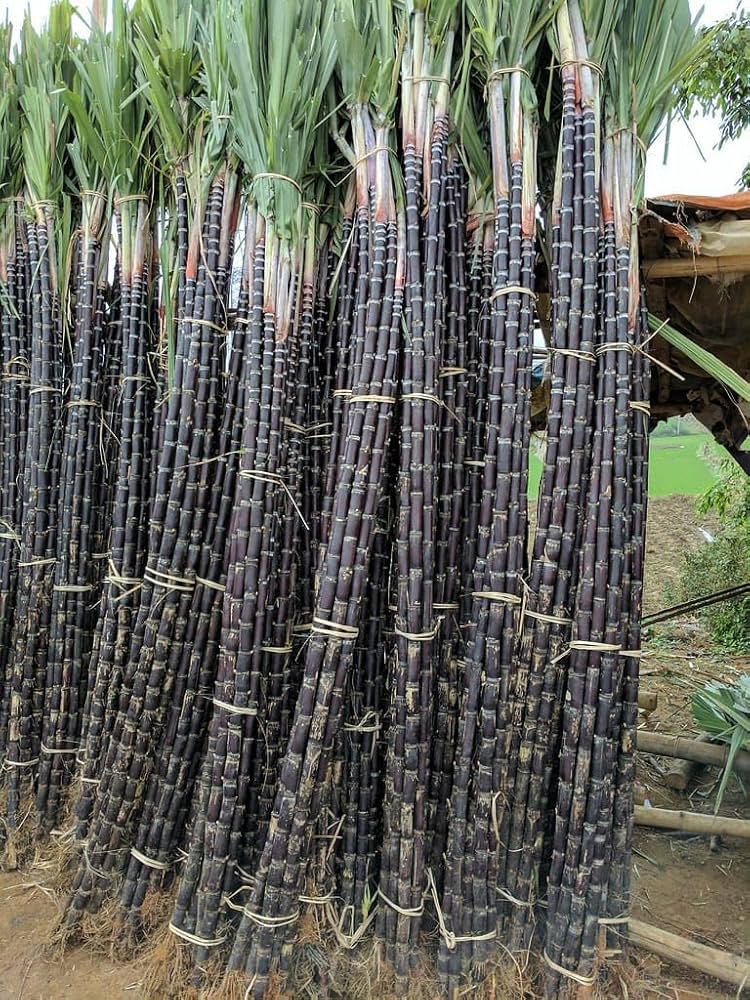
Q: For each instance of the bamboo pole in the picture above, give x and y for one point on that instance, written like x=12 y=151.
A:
x=687 y=267
x=691 y=749
x=689 y=822
x=712 y=961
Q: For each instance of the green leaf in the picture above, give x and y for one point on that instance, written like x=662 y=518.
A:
x=700 y=356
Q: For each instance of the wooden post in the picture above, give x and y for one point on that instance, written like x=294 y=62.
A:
x=712 y=961
x=690 y=822
x=691 y=749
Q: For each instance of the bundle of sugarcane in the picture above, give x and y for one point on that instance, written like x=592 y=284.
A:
x=45 y=58
x=191 y=665
x=180 y=505
x=473 y=888
x=79 y=528
x=281 y=869
x=121 y=121
x=425 y=83
x=540 y=671
x=599 y=673
x=14 y=375
x=286 y=57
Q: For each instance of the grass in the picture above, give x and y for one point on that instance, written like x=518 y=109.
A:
x=678 y=465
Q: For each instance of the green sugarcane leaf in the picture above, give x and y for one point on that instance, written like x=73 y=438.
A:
x=700 y=356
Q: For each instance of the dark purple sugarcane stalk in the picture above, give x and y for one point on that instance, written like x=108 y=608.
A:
x=304 y=770
x=37 y=531
x=76 y=573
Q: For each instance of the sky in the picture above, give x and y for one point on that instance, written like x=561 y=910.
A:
x=693 y=164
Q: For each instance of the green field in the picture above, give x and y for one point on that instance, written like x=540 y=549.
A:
x=678 y=465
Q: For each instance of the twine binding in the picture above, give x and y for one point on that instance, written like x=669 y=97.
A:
x=159 y=866
x=334 y=630
x=567 y=973
x=235 y=709
x=195 y=939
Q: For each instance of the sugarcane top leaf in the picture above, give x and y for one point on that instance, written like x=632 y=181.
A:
x=282 y=54
x=367 y=65
x=723 y=712
x=108 y=110
x=166 y=44
x=11 y=170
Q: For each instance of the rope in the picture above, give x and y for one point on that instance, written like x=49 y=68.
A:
x=616 y=345
x=278 y=177
x=44 y=388
x=552 y=619
x=211 y=584
x=372 y=398
x=509 y=289
x=37 y=562
x=159 y=866
x=55 y=750
x=451 y=370
x=496 y=595
x=419 y=636
x=277 y=650
x=348 y=941
x=168 y=580
x=235 y=709
x=611 y=921
x=583 y=62
x=504 y=70
x=415 y=911
x=636 y=404
x=575 y=976
x=73 y=588
x=569 y=352
x=451 y=939
x=342 y=393
x=195 y=939
x=123 y=199
x=206 y=322
x=365 y=725
x=20 y=763
x=82 y=402
x=274 y=479
x=258 y=918
x=334 y=630
x=448 y=606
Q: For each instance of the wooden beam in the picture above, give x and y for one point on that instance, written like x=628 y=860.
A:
x=723 y=965
x=688 y=267
x=680 y=746
x=690 y=822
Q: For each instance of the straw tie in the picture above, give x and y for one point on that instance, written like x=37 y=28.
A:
x=451 y=939
x=510 y=289
x=501 y=596
x=159 y=866
x=228 y=706
x=334 y=630
x=274 y=479
x=169 y=581
x=426 y=636
x=200 y=942
x=568 y=973
x=211 y=584
x=414 y=911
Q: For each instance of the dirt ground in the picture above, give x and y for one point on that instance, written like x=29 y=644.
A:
x=678 y=883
